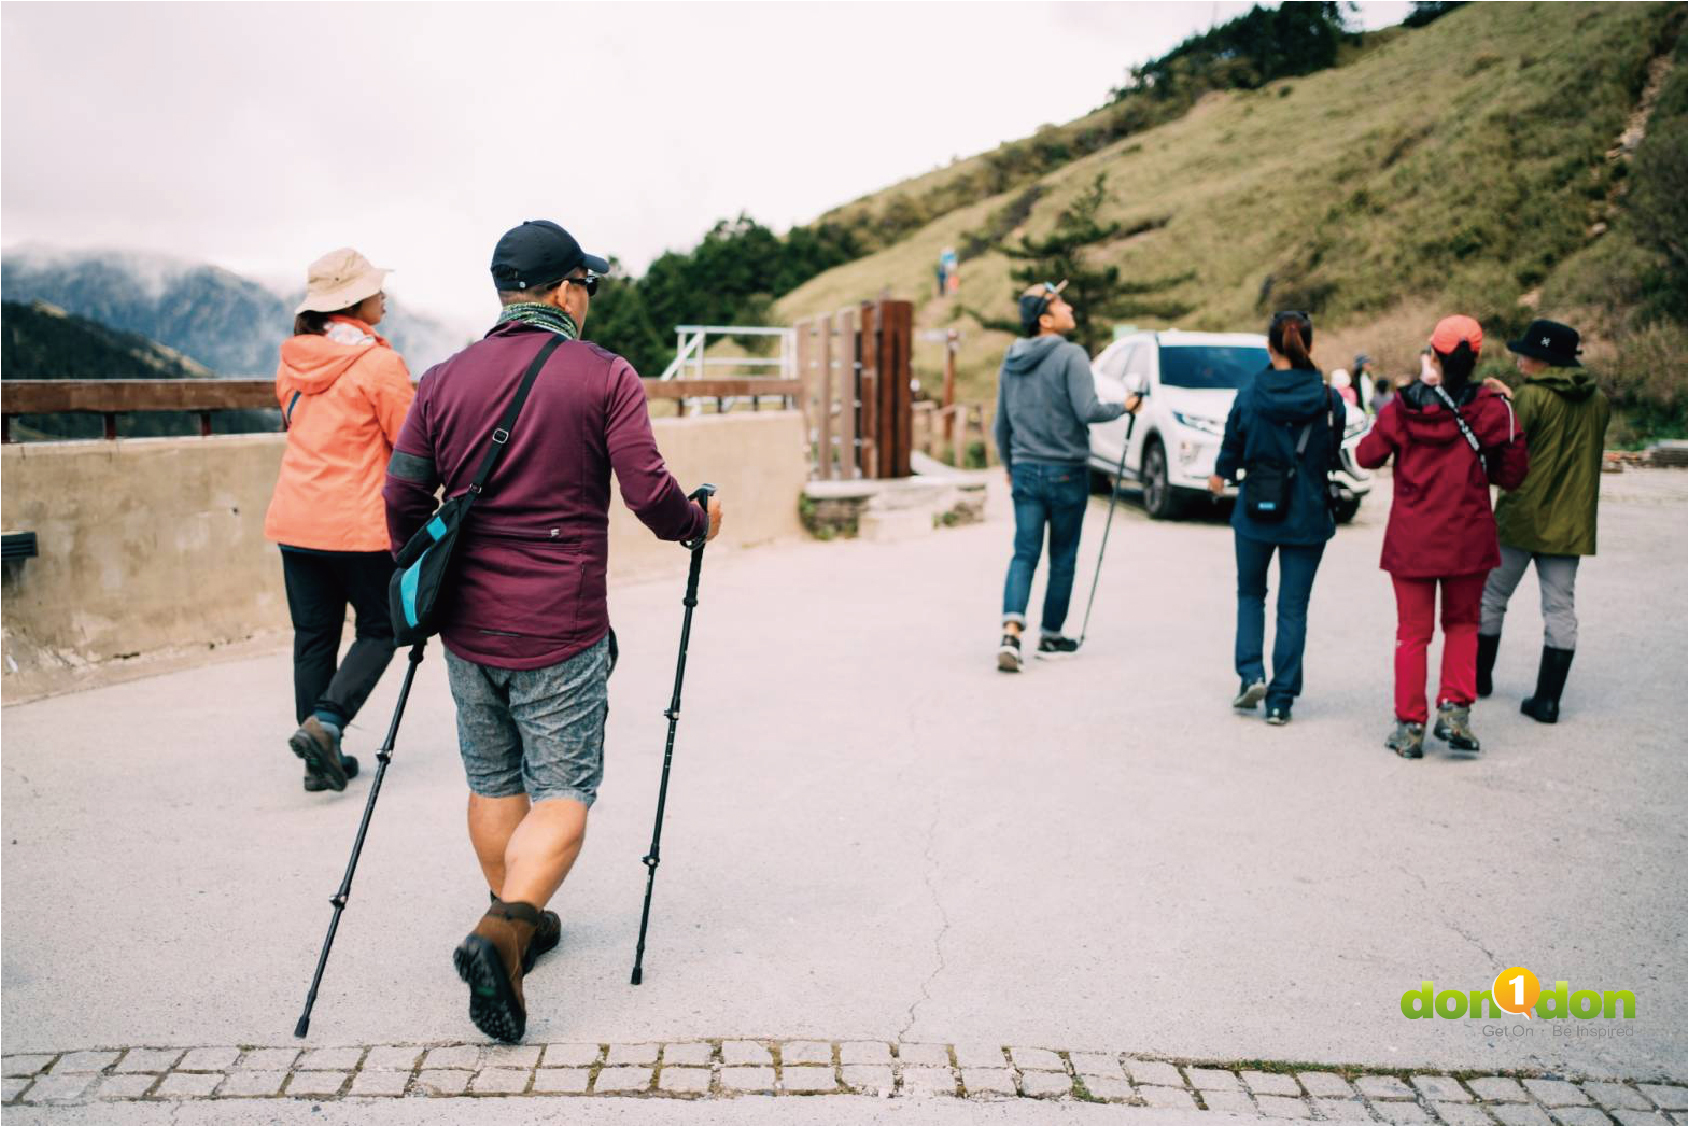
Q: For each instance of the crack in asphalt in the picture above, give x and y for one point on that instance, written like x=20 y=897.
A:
x=943 y=916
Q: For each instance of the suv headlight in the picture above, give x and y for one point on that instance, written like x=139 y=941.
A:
x=1196 y=422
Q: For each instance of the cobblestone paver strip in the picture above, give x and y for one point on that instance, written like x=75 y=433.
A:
x=730 y=1068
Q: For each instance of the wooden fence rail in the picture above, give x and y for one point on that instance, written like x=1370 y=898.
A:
x=113 y=397
x=854 y=367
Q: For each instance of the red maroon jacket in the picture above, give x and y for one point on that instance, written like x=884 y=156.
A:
x=528 y=587
x=1441 y=525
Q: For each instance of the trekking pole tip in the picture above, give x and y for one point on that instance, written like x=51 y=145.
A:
x=302 y=1027
x=638 y=975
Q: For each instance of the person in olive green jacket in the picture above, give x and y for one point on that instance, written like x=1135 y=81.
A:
x=1550 y=520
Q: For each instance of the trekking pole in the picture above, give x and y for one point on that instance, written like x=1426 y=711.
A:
x=384 y=757
x=1113 y=498
x=654 y=857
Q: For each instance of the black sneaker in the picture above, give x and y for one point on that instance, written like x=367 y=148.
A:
x=1277 y=714
x=1008 y=653
x=315 y=782
x=1249 y=695
x=1056 y=648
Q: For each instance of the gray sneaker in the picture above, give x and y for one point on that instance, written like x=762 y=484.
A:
x=1008 y=653
x=1453 y=727
x=1407 y=740
x=1249 y=695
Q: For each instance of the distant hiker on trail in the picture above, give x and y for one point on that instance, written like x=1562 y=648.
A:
x=1285 y=433
x=1045 y=401
x=526 y=632
x=1365 y=382
x=1450 y=439
x=1343 y=384
x=1550 y=520
x=1383 y=396
x=343 y=393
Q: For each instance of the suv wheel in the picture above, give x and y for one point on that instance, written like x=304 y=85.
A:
x=1159 y=500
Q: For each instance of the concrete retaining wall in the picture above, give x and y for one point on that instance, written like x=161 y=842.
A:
x=157 y=544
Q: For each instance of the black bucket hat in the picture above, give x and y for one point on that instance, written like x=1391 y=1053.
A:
x=1550 y=341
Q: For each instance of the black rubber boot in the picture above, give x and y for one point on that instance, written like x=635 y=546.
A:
x=1488 y=646
x=1543 y=707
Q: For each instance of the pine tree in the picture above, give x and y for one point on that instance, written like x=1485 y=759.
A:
x=1098 y=295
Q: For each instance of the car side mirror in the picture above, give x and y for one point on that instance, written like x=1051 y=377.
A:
x=1136 y=384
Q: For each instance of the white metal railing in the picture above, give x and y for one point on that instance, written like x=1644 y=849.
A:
x=692 y=361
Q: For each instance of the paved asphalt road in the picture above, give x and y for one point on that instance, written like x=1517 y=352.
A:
x=874 y=835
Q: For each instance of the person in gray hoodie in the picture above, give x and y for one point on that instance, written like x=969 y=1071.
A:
x=1045 y=401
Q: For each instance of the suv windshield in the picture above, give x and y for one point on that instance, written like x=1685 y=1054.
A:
x=1220 y=367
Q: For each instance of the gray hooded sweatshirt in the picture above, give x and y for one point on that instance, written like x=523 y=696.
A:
x=1045 y=400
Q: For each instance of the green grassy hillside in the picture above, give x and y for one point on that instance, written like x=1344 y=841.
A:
x=1462 y=166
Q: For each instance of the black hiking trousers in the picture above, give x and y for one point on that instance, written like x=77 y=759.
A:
x=320 y=584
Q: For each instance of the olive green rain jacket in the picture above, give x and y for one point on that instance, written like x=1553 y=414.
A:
x=1563 y=416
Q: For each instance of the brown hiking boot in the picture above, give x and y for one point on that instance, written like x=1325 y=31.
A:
x=490 y=960
x=320 y=748
x=546 y=935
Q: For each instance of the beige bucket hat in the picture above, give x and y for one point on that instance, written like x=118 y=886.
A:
x=340 y=279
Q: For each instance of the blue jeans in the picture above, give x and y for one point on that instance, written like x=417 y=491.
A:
x=1296 y=567
x=1055 y=495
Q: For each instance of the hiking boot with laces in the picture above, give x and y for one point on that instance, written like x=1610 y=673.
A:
x=1407 y=740
x=315 y=783
x=1453 y=727
x=1008 y=653
x=546 y=935
x=1054 y=647
x=319 y=745
x=489 y=960
x=1249 y=695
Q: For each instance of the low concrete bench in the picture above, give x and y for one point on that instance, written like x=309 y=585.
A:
x=891 y=509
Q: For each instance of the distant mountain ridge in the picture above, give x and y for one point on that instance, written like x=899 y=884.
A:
x=41 y=341
x=229 y=323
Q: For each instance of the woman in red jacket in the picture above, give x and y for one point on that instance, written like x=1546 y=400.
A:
x=1451 y=439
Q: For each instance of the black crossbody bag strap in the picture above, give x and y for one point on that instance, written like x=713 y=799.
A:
x=501 y=435
x=1470 y=438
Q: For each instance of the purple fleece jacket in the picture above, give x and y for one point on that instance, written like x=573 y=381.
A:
x=528 y=585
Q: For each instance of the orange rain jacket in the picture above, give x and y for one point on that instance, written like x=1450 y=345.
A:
x=344 y=405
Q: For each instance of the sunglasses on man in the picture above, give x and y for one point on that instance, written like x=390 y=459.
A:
x=589 y=283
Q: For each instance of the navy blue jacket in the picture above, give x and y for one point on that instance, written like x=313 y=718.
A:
x=1265 y=422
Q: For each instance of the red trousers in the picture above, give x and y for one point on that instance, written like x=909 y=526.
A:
x=1415 y=609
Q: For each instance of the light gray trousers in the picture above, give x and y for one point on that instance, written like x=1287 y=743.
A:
x=1557 y=576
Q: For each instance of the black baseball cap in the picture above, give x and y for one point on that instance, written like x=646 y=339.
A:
x=536 y=253
x=1034 y=302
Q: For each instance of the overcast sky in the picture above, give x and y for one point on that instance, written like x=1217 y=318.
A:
x=256 y=136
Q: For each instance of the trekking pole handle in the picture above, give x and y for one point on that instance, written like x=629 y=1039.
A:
x=701 y=495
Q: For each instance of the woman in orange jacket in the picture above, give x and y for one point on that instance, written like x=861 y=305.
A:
x=343 y=393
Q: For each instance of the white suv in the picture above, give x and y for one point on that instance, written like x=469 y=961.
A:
x=1190 y=380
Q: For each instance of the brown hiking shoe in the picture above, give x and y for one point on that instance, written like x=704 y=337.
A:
x=320 y=748
x=489 y=961
x=546 y=935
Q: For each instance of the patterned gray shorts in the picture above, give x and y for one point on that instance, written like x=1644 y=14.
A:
x=533 y=731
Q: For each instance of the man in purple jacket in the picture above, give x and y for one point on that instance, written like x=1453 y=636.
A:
x=524 y=623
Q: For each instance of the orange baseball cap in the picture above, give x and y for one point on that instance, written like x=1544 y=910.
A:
x=1451 y=330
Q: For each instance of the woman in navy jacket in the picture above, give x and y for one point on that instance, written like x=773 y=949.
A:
x=1285 y=407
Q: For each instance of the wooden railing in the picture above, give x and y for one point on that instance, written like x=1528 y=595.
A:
x=951 y=430
x=111 y=398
